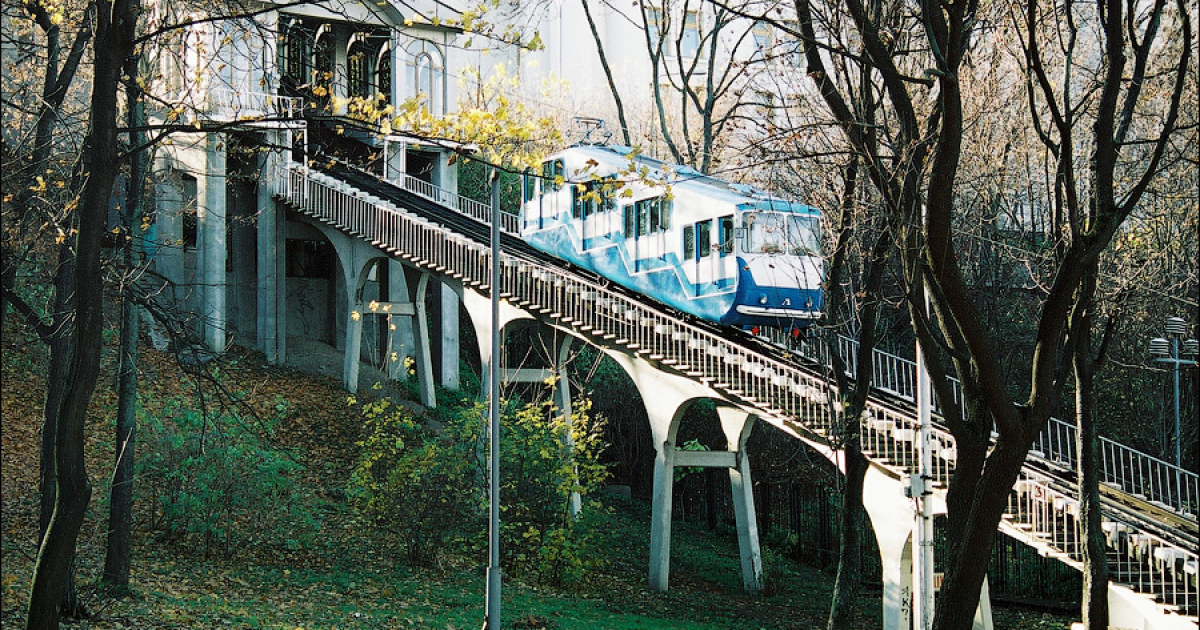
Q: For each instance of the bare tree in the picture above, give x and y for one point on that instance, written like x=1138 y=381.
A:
x=917 y=174
x=114 y=34
x=1119 y=118
x=608 y=75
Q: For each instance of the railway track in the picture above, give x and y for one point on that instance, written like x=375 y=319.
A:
x=1136 y=511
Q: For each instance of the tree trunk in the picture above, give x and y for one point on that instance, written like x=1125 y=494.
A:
x=118 y=555
x=849 y=569
x=73 y=491
x=120 y=515
x=1095 y=548
x=967 y=562
x=56 y=376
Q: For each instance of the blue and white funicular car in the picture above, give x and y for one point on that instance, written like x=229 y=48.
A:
x=724 y=252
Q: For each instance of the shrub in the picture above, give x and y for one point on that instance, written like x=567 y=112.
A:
x=543 y=463
x=426 y=487
x=220 y=483
x=417 y=484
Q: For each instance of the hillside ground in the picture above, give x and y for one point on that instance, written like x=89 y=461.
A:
x=345 y=577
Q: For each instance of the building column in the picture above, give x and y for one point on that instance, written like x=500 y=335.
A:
x=164 y=246
x=269 y=261
x=211 y=241
x=168 y=222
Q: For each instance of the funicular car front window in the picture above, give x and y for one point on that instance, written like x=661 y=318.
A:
x=778 y=233
x=804 y=236
x=766 y=232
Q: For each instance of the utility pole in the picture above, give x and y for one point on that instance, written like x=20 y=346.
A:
x=920 y=490
x=492 y=620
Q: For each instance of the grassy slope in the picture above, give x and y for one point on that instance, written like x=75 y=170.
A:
x=348 y=580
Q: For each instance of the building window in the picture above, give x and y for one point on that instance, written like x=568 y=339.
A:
x=424 y=77
x=762 y=36
x=296 y=54
x=655 y=24
x=689 y=39
x=322 y=69
x=358 y=72
x=383 y=73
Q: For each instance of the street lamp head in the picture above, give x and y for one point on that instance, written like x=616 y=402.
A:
x=1191 y=347
x=1160 y=347
x=1176 y=326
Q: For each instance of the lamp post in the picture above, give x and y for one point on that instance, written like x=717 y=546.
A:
x=1167 y=350
x=492 y=616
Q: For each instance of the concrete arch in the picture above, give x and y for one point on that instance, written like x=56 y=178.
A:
x=672 y=397
x=404 y=333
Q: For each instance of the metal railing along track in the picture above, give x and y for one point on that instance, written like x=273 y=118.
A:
x=783 y=393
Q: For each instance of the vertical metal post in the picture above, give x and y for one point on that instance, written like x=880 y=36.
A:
x=492 y=620
x=923 y=527
x=1175 y=373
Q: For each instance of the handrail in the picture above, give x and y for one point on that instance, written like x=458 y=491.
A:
x=783 y=393
x=1132 y=471
x=228 y=103
x=474 y=209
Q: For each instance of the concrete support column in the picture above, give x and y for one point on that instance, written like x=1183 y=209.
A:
x=268 y=245
x=395 y=165
x=667 y=396
x=449 y=340
x=414 y=311
x=736 y=424
x=211 y=237
x=983 y=614
x=424 y=358
x=281 y=290
x=446 y=173
x=562 y=399
x=352 y=347
x=663 y=424
x=400 y=329
x=892 y=516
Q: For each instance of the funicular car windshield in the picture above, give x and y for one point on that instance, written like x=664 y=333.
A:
x=781 y=233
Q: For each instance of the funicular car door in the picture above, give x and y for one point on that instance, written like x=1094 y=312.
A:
x=725 y=259
x=698 y=254
x=553 y=173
